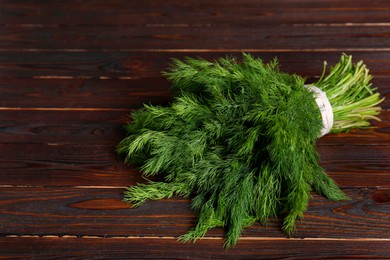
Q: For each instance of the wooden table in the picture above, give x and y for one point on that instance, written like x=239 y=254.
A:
x=71 y=71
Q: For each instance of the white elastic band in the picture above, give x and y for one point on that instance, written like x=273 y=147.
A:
x=325 y=108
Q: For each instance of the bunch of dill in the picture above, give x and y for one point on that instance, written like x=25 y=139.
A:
x=239 y=139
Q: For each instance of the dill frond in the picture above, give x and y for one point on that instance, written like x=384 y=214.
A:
x=240 y=139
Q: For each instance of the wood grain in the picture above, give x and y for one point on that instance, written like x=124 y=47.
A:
x=105 y=127
x=144 y=64
x=158 y=248
x=192 y=14
x=55 y=164
x=84 y=93
x=100 y=212
x=226 y=37
x=110 y=94
x=77 y=127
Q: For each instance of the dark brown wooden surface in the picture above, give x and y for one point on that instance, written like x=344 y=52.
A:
x=72 y=71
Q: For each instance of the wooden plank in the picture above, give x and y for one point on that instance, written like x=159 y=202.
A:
x=192 y=13
x=105 y=127
x=100 y=212
x=347 y=166
x=234 y=36
x=83 y=64
x=84 y=93
x=169 y=248
x=109 y=93
x=54 y=164
x=134 y=65
x=77 y=127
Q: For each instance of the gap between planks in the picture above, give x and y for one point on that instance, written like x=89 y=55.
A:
x=75 y=109
x=61 y=109
x=78 y=77
x=185 y=25
x=125 y=187
x=73 y=187
x=203 y=50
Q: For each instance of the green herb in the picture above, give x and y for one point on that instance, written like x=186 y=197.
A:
x=239 y=139
x=354 y=101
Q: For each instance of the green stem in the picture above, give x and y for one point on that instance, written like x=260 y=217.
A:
x=348 y=88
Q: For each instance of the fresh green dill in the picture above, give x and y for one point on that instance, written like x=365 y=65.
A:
x=239 y=139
